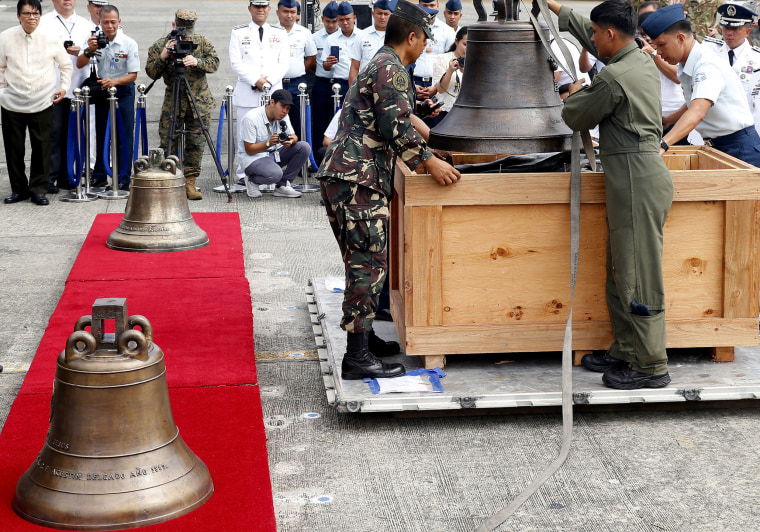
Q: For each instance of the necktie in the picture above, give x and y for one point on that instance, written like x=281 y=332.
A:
x=261 y=36
x=731 y=57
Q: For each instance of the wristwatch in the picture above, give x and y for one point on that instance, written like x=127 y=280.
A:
x=269 y=144
x=664 y=145
x=653 y=54
x=87 y=53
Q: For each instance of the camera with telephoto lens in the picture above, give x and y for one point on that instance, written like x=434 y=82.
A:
x=181 y=48
x=460 y=60
x=283 y=135
x=101 y=37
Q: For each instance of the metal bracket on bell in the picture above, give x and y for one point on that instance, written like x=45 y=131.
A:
x=125 y=340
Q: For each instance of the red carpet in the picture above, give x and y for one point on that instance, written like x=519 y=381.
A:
x=199 y=305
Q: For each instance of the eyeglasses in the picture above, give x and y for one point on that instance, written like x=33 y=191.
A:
x=27 y=14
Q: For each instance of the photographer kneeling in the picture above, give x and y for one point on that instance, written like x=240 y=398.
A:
x=118 y=62
x=184 y=51
x=267 y=143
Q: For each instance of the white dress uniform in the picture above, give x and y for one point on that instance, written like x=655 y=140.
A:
x=365 y=48
x=74 y=28
x=444 y=38
x=747 y=68
x=706 y=75
x=302 y=45
x=341 y=69
x=252 y=58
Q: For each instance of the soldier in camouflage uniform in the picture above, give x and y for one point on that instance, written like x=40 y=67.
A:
x=202 y=61
x=356 y=180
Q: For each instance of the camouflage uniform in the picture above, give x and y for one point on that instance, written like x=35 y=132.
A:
x=356 y=178
x=208 y=62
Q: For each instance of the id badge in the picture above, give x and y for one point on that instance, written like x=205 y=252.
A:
x=277 y=156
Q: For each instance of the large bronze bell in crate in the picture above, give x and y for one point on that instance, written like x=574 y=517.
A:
x=113 y=457
x=157 y=217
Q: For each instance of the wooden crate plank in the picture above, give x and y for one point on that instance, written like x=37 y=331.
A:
x=426 y=265
x=578 y=356
x=534 y=337
x=407 y=284
x=721 y=354
x=740 y=291
x=433 y=361
x=397 y=311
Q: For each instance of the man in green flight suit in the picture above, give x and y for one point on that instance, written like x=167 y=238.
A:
x=375 y=127
x=639 y=189
x=202 y=61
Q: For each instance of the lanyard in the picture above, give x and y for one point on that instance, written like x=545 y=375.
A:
x=65 y=26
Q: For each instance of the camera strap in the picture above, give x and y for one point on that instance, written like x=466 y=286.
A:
x=65 y=26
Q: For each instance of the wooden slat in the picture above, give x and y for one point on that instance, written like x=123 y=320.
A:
x=544 y=188
x=721 y=354
x=397 y=311
x=740 y=279
x=533 y=337
x=426 y=264
x=407 y=288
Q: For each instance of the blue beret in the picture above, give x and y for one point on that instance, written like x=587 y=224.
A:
x=429 y=10
x=454 y=5
x=287 y=3
x=662 y=19
x=734 y=15
x=330 y=10
x=344 y=8
x=382 y=4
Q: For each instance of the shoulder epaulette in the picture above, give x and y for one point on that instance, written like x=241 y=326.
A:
x=756 y=49
x=240 y=27
x=713 y=40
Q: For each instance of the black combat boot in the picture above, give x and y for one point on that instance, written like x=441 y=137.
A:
x=381 y=348
x=359 y=363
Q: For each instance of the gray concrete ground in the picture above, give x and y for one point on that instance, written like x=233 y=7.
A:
x=647 y=470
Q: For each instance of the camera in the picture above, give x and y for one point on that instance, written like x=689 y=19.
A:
x=283 y=135
x=460 y=60
x=181 y=48
x=68 y=43
x=101 y=37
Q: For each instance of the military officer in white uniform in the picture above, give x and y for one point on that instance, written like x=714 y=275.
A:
x=371 y=40
x=736 y=20
x=259 y=54
x=423 y=69
x=303 y=56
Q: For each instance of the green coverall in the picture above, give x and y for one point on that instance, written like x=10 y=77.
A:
x=624 y=100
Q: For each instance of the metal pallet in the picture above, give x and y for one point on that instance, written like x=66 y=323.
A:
x=512 y=380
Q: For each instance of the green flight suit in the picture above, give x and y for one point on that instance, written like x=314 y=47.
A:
x=624 y=100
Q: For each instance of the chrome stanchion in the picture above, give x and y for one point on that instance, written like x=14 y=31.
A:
x=336 y=97
x=231 y=146
x=114 y=193
x=88 y=152
x=302 y=100
x=78 y=194
x=265 y=101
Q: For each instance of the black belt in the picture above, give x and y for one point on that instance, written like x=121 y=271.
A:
x=340 y=80
x=730 y=138
x=424 y=80
x=289 y=80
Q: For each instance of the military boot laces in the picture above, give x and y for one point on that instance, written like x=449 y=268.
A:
x=359 y=362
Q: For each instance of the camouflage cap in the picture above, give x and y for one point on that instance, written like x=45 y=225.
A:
x=416 y=15
x=185 y=18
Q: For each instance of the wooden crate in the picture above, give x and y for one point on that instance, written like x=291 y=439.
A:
x=484 y=266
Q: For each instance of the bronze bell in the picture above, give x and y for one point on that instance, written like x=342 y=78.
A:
x=113 y=457
x=157 y=217
x=509 y=101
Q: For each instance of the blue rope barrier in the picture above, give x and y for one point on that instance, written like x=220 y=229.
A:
x=73 y=155
x=107 y=146
x=308 y=139
x=219 y=133
x=141 y=133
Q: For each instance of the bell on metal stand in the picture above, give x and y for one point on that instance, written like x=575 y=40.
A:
x=113 y=457
x=114 y=193
x=79 y=195
x=335 y=97
x=508 y=102
x=303 y=100
x=231 y=147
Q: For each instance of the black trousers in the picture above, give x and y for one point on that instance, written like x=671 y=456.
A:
x=322 y=106
x=14 y=138
x=58 y=143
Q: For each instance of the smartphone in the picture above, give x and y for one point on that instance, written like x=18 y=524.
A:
x=335 y=51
